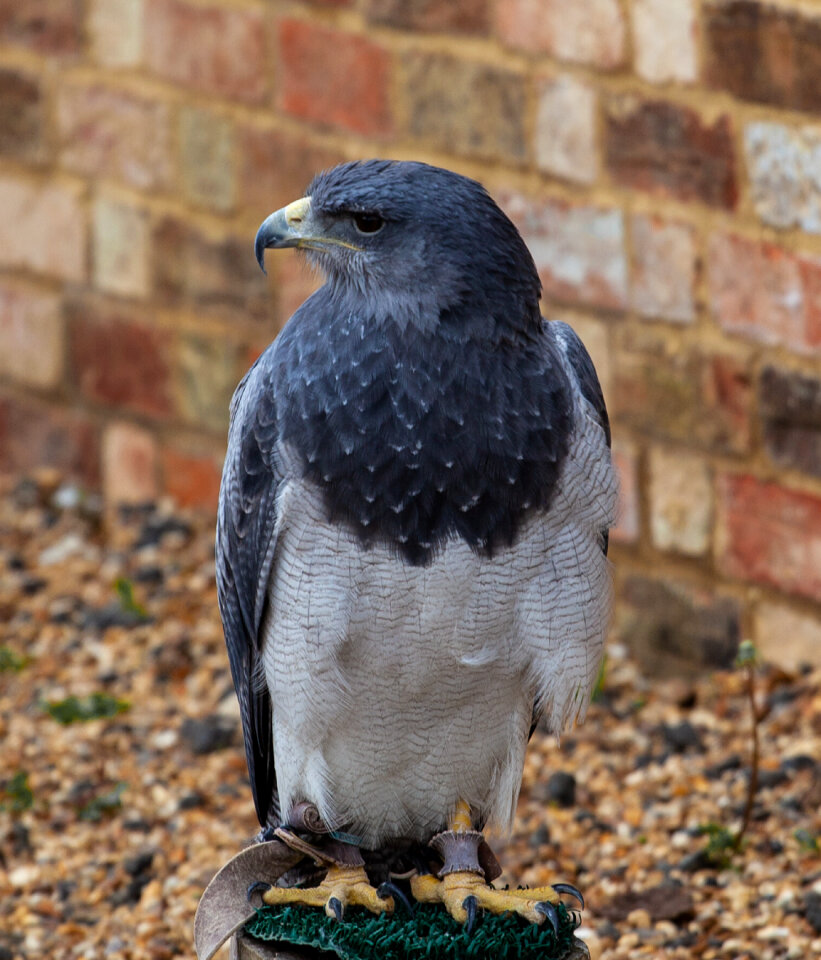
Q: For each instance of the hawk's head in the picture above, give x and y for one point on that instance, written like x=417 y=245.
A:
x=411 y=241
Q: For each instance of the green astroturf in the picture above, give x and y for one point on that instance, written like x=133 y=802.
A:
x=431 y=933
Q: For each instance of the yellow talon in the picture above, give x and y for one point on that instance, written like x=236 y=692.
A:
x=456 y=887
x=342 y=887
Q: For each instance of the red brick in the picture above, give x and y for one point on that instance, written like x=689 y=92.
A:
x=664 y=269
x=207 y=148
x=455 y=16
x=37 y=434
x=215 y=274
x=115 y=32
x=21 y=116
x=207 y=375
x=578 y=249
x=675 y=629
x=47 y=26
x=625 y=459
x=665 y=40
x=217 y=50
x=810 y=270
x=334 y=78
x=31 y=336
x=118 y=362
x=681 y=395
x=680 y=495
x=43 y=227
x=764 y=52
x=114 y=134
x=728 y=397
x=277 y=167
x=770 y=535
x=583 y=31
x=765 y=293
x=130 y=462
x=790 y=409
x=192 y=480
x=465 y=107
x=664 y=147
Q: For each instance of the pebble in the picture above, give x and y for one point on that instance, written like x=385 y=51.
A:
x=638 y=918
x=207 y=734
x=561 y=788
x=630 y=827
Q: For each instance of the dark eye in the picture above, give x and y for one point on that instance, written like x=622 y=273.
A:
x=368 y=222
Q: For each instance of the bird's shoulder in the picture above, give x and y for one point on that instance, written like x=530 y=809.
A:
x=582 y=369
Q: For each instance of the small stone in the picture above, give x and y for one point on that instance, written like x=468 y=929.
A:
x=638 y=918
x=767 y=779
x=164 y=739
x=591 y=941
x=729 y=764
x=812 y=909
x=696 y=861
x=23 y=876
x=682 y=736
x=208 y=734
x=139 y=863
x=561 y=789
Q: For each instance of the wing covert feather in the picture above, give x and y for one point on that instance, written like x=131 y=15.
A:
x=246 y=525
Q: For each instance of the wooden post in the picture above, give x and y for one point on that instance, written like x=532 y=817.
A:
x=245 y=948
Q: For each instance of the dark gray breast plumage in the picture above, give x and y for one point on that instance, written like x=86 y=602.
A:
x=413 y=436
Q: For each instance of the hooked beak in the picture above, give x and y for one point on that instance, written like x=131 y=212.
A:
x=284 y=228
x=294 y=226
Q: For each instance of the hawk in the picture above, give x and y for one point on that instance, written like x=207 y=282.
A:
x=412 y=538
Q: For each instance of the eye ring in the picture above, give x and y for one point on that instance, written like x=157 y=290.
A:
x=368 y=223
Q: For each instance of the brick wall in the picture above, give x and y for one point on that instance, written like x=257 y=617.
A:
x=662 y=158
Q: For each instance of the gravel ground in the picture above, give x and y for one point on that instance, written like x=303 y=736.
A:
x=111 y=826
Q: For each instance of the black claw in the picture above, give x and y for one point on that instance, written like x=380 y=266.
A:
x=256 y=887
x=470 y=905
x=570 y=890
x=549 y=911
x=389 y=889
x=336 y=905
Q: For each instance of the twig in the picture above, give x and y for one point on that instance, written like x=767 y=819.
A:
x=747 y=658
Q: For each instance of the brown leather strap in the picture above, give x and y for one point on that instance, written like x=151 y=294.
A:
x=459 y=850
x=224 y=907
